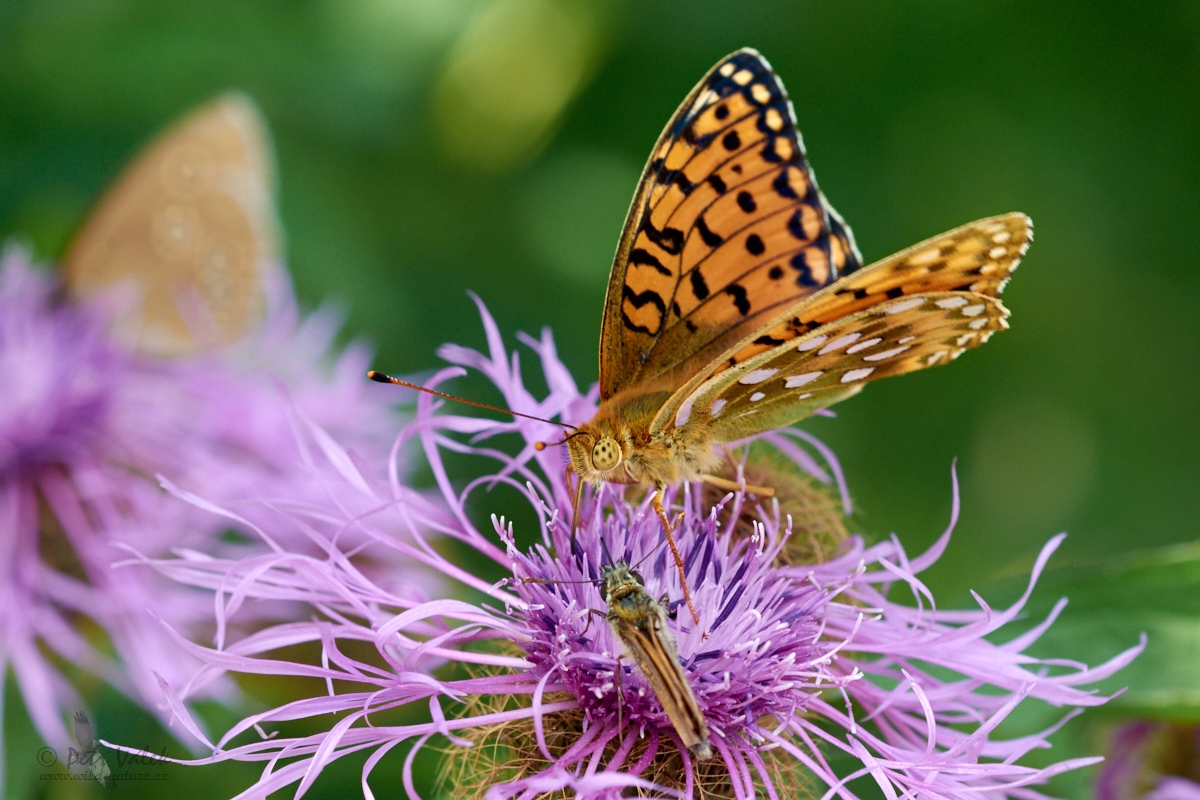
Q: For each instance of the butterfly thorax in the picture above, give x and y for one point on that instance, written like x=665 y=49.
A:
x=618 y=445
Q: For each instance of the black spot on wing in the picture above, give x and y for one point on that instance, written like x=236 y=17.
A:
x=745 y=201
x=795 y=226
x=716 y=183
x=639 y=299
x=643 y=258
x=754 y=245
x=731 y=141
x=776 y=273
x=711 y=239
x=740 y=299
x=805 y=276
x=669 y=239
x=783 y=186
x=677 y=177
x=895 y=292
x=699 y=287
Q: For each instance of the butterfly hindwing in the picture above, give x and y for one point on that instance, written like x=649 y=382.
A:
x=727 y=230
x=975 y=260
x=780 y=386
x=190 y=227
x=978 y=257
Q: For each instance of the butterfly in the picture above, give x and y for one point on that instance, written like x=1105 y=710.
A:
x=188 y=231
x=738 y=302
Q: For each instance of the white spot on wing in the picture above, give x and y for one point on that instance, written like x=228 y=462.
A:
x=812 y=344
x=717 y=407
x=756 y=376
x=978 y=323
x=857 y=374
x=865 y=345
x=951 y=302
x=971 y=311
x=895 y=351
x=1001 y=237
x=839 y=343
x=799 y=380
x=966 y=337
x=906 y=339
x=754 y=398
x=925 y=257
x=806 y=395
x=685 y=408
x=904 y=305
x=997 y=252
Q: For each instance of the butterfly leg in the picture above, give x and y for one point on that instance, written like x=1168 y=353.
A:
x=734 y=486
x=668 y=527
x=620 y=695
x=592 y=614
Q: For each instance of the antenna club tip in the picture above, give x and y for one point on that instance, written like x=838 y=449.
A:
x=539 y=446
x=378 y=377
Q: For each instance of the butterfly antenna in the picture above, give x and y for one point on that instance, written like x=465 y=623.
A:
x=380 y=377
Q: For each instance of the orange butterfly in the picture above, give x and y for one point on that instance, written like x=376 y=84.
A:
x=738 y=302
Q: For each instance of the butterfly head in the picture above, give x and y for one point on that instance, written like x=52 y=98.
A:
x=597 y=454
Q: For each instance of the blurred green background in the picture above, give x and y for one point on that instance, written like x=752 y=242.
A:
x=428 y=148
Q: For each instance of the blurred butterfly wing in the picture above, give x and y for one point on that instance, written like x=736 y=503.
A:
x=727 y=229
x=190 y=228
x=936 y=298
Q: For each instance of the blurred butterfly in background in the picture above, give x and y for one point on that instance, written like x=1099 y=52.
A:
x=187 y=234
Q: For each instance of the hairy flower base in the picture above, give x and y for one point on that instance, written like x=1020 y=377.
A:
x=509 y=752
x=792 y=663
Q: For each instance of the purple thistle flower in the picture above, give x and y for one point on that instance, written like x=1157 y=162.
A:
x=85 y=428
x=791 y=665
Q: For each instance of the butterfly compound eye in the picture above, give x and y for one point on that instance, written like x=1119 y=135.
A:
x=606 y=454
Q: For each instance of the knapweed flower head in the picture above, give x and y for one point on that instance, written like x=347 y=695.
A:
x=88 y=429
x=1151 y=761
x=809 y=676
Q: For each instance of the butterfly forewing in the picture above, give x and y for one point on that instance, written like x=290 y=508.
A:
x=190 y=226
x=791 y=381
x=727 y=230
